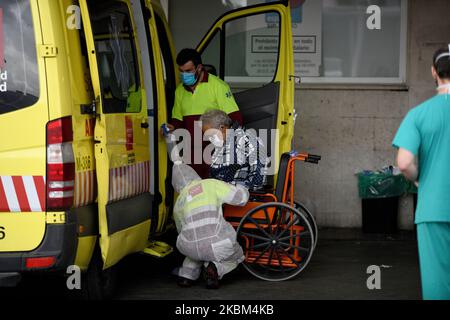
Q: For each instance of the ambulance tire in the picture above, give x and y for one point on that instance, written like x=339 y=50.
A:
x=96 y=283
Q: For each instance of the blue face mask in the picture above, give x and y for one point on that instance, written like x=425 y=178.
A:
x=188 y=78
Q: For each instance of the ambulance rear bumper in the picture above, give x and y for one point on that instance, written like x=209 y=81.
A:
x=59 y=246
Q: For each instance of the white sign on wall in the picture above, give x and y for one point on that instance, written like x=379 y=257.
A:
x=307 y=37
x=262 y=33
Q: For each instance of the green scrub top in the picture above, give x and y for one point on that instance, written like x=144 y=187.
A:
x=425 y=132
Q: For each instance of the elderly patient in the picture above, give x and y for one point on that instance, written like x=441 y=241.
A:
x=239 y=156
x=205 y=238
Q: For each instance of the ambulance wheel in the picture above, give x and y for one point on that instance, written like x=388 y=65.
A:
x=312 y=221
x=278 y=241
x=96 y=283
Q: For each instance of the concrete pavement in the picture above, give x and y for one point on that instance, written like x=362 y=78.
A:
x=337 y=270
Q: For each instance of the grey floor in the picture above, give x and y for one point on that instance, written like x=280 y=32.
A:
x=338 y=270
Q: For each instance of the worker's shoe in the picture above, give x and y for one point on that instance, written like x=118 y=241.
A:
x=184 y=282
x=211 y=276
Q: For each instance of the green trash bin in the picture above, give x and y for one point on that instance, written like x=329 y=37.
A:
x=380 y=193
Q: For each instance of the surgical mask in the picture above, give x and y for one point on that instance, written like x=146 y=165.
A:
x=216 y=141
x=188 y=78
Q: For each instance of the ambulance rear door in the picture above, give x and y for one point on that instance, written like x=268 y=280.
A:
x=24 y=115
x=121 y=131
x=165 y=80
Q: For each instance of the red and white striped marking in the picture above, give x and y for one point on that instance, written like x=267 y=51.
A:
x=22 y=193
x=85 y=188
x=125 y=182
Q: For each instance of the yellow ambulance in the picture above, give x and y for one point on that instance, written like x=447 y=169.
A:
x=84 y=88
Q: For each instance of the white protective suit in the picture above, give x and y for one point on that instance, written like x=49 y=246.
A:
x=204 y=235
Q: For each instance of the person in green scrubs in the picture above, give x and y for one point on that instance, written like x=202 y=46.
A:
x=423 y=142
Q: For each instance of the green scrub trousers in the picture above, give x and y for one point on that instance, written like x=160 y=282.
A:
x=434 y=255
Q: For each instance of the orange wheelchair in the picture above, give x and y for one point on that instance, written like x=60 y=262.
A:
x=277 y=234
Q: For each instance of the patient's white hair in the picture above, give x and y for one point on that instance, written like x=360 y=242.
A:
x=216 y=119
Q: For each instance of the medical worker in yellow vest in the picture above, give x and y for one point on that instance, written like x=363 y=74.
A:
x=198 y=92
x=205 y=237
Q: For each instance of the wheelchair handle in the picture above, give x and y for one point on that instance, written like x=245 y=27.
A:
x=312 y=161
x=312 y=158
x=315 y=157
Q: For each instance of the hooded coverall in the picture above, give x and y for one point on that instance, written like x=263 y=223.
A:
x=204 y=235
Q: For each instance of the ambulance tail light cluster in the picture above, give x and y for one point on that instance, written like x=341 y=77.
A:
x=60 y=165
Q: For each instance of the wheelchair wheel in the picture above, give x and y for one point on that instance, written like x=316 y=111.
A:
x=300 y=207
x=278 y=241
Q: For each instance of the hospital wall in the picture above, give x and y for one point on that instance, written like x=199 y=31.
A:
x=352 y=127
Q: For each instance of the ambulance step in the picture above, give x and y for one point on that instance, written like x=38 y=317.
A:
x=158 y=249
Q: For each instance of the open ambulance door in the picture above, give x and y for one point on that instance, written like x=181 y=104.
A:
x=164 y=81
x=251 y=49
x=121 y=130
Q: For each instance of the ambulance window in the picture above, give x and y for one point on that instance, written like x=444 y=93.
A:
x=19 y=78
x=211 y=54
x=116 y=57
x=85 y=57
x=251 y=48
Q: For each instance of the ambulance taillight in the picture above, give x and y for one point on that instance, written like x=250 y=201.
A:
x=60 y=165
